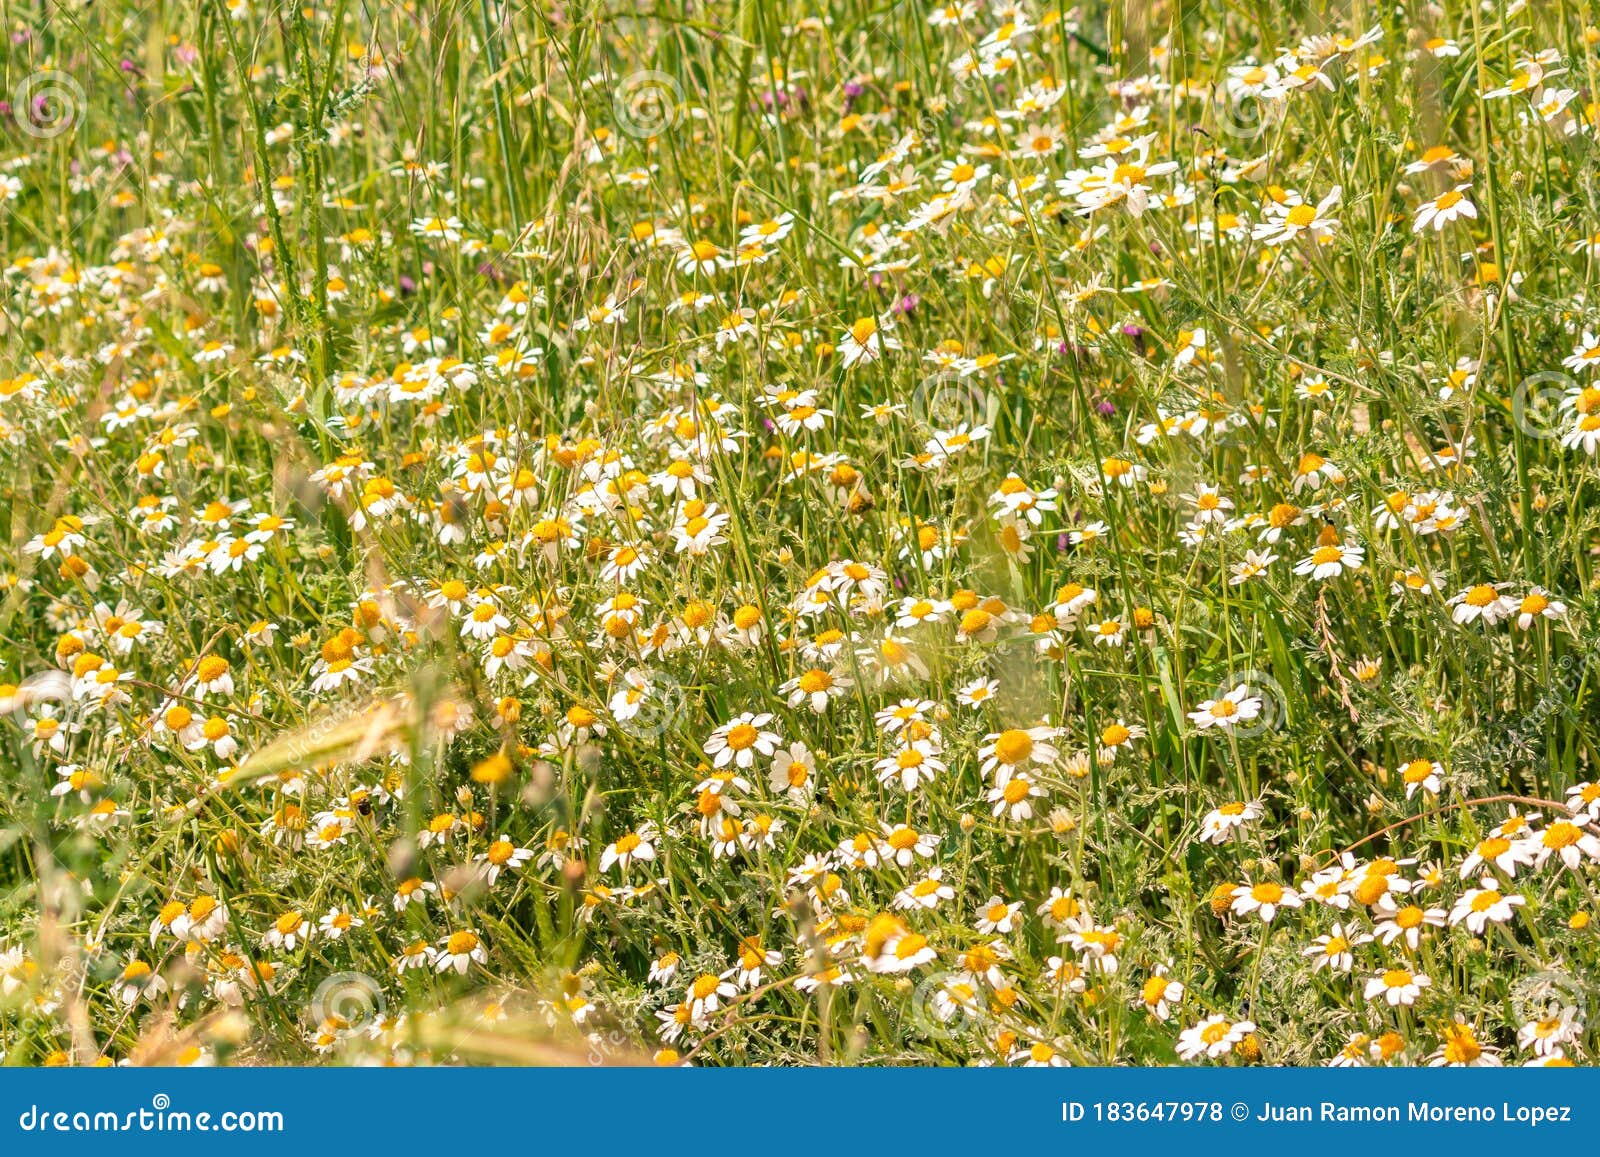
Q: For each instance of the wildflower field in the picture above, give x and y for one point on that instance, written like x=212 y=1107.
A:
x=800 y=532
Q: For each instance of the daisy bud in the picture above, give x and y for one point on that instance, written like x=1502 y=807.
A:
x=1222 y=899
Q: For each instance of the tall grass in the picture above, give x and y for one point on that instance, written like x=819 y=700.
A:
x=337 y=333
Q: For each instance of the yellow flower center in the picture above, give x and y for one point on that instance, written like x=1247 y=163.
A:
x=813 y=681
x=1013 y=747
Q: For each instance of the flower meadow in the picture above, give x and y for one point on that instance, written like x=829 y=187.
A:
x=800 y=532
